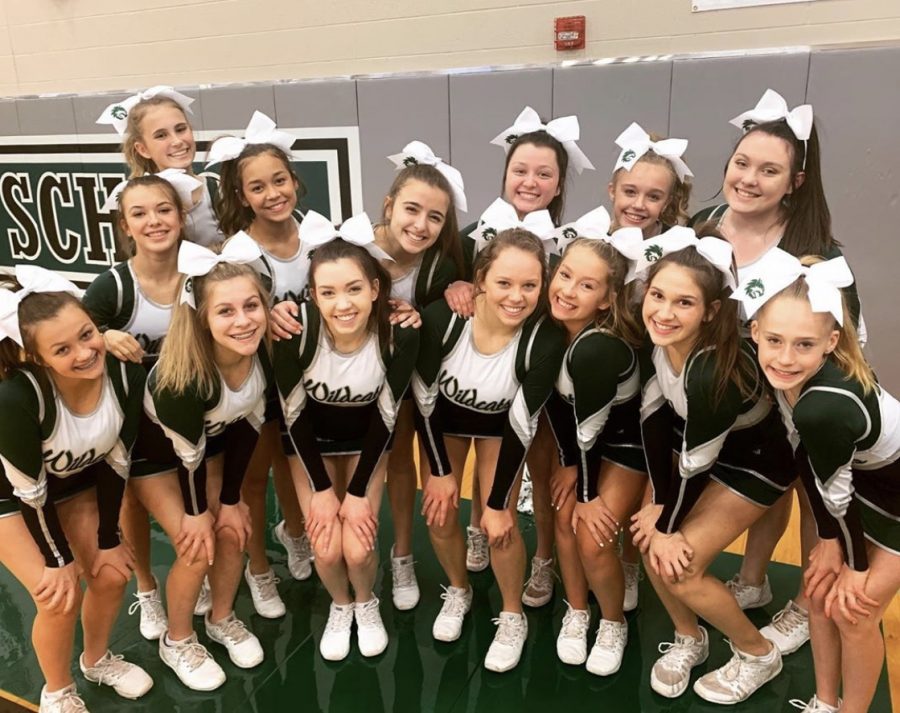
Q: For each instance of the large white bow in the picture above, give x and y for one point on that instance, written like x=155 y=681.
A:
x=565 y=130
x=116 y=113
x=501 y=216
x=418 y=152
x=718 y=252
x=316 y=230
x=32 y=279
x=772 y=107
x=777 y=269
x=184 y=184
x=635 y=142
x=594 y=224
x=260 y=130
x=195 y=260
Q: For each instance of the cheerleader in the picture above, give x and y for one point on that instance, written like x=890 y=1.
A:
x=704 y=399
x=485 y=380
x=843 y=427
x=594 y=414
x=69 y=413
x=208 y=392
x=341 y=382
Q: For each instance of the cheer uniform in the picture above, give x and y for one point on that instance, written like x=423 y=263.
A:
x=425 y=283
x=201 y=225
x=48 y=453
x=594 y=411
x=200 y=426
x=847 y=444
x=736 y=440
x=461 y=392
x=338 y=404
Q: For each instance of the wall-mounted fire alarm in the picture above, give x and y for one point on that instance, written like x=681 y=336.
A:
x=569 y=32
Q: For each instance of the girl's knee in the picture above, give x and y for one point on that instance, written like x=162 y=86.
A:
x=356 y=555
x=108 y=581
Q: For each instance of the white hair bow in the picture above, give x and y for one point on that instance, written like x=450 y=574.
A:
x=316 y=230
x=33 y=279
x=195 y=260
x=565 y=130
x=777 y=269
x=260 y=130
x=501 y=216
x=116 y=113
x=635 y=142
x=184 y=184
x=772 y=107
x=718 y=252
x=594 y=224
x=418 y=152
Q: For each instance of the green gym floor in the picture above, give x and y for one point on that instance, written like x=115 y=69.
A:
x=416 y=673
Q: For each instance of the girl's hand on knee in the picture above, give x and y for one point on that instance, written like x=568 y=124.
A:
x=825 y=561
x=404 y=314
x=284 y=320
x=643 y=526
x=441 y=494
x=324 y=507
x=562 y=486
x=460 y=297
x=599 y=520
x=849 y=596
x=357 y=512
x=670 y=555
x=237 y=518
x=498 y=525
x=57 y=588
x=196 y=538
x=120 y=558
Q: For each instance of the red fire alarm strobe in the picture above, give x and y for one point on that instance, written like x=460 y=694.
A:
x=569 y=32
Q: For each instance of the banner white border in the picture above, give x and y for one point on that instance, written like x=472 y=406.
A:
x=704 y=5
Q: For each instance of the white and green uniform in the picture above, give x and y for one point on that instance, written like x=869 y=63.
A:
x=49 y=453
x=337 y=403
x=594 y=411
x=847 y=444
x=462 y=392
x=736 y=440
x=199 y=427
x=425 y=283
x=285 y=278
x=201 y=225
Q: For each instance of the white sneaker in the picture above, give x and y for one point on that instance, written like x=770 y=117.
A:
x=298 y=550
x=814 y=705
x=204 y=599
x=506 y=648
x=671 y=673
x=478 y=553
x=404 y=588
x=737 y=680
x=126 y=679
x=457 y=603
x=606 y=654
x=192 y=663
x=789 y=628
x=750 y=596
x=153 y=616
x=243 y=647
x=370 y=632
x=264 y=592
x=65 y=700
x=571 y=644
x=539 y=587
x=632 y=572
x=335 y=642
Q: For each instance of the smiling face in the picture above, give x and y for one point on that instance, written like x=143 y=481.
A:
x=579 y=289
x=237 y=317
x=166 y=137
x=793 y=341
x=150 y=217
x=532 y=178
x=674 y=310
x=416 y=216
x=639 y=196
x=268 y=187
x=344 y=296
x=69 y=344
x=758 y=175
x=511 y=286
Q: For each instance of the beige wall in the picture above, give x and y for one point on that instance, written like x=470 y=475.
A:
x=83 y=45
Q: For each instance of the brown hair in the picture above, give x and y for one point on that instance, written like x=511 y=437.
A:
x=126 y=242
x=137 y=163
x=233 y=215
x=542 y=139
x=520 y=238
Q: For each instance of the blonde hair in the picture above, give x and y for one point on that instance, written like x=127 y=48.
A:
x=126 y=242
x=137 y=164
x=186 y=358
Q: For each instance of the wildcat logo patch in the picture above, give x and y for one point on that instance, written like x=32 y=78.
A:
x=755 y=288
x=653 y=253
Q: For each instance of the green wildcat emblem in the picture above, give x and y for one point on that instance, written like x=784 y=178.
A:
x=653 y=253
x=569 y=233
x=755 y=288
x=410 y=161
x=628 y=156
x=748 y=124
x=488 y=234
x=511 y=138
x=119 y=112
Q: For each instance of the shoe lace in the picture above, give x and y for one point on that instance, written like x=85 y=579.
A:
x=542 y=575
x=339 y=619
x=477 y=544
x=234 y=630
x=192 y=653
x=70 y=702
x=788 y=620
x=454 y=602
x=574 y=623
x=609 y=636
x=811 y=706
x=368 y=613
x=111 y=668
x=150 y=606
x=265 y=584
x=677 y=654
x=403 y=573
x=509 y=630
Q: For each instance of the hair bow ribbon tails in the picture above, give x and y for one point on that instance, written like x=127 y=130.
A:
x=635 y=142
x=418 y=152
x=116 y=114
x=184 y=184
x=33 y=279
x=501 y=216
x=195 y=260
x=715 y=250
x=316 y=230
x=260 y=130
x=566 y=130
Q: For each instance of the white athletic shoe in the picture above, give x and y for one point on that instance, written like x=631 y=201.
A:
x=264 y=592
x=457 y=603
x=749 y=596
x=632 y=572
x=478 y=553
x=65 y=700
x=740 y=678
x=571 y=644
x=370 y=631
x=204 y=599
x=814 y=705
x=789 y=628
x=298 y=550
x=335 y=642
x=153 y=615
x=404 y=587
x=671 y=673
x=126 y=679
x=506 y=648
x=192 y=663
x=243 y=647
x=606 y=654
x=539 y=587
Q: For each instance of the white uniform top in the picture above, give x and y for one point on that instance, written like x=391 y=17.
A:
x=290 y=276
x=201 y=225
x=248 y=400
x=148 y=319
x=340 y=379
x=404 y=288
x=670 y=383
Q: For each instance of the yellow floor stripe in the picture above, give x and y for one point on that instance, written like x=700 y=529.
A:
x=13 y=698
